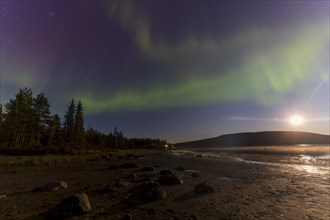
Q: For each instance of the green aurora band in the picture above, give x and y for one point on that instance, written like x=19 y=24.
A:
x=263 y=76
x=291 y=58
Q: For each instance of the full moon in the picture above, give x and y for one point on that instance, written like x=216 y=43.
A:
x=296 y=120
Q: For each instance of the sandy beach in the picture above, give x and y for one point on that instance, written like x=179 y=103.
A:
x=242 y=190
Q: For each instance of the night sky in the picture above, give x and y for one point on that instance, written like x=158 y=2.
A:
x=175 y=70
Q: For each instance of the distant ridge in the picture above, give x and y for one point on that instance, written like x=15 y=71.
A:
x=264 y=138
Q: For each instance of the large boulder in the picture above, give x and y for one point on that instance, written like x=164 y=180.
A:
x=150 y=191
x=77 y=204
x=127 y=217
x=168 y=179
x=204 y=188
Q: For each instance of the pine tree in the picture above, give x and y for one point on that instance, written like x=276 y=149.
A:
x=115 y=136
x=19 y=119
x=110 y=140
x=55 y=134
x=79 y=125
x=42 y=116
x=69 y=123
x=118 y=139
x=1 y=114
x=94 y=138
x=2 y=130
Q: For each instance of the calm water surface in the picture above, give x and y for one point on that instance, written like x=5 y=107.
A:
x=308 y=159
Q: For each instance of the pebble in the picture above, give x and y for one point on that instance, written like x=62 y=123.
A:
x=195 y=175
x=179 y=169
x=52 y=186
x=148 y=169
x=163 y=172
x=129 y=165
x=121 y=183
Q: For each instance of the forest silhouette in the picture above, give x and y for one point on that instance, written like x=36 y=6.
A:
x=26 y=123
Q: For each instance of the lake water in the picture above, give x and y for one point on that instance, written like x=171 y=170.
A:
x=311 y=160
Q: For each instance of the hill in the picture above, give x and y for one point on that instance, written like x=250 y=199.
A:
x=265 y=138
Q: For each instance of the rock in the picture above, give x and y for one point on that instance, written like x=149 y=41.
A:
x=168 y=179
x=150 y=191
x=148 y=169
x=204 y=188
x=193 y=217
x=113 y=167
x=129 y=165
x=77 y=204
x=108 y=189
x=33 y=162
x=163 y=172
x=131 y=176
x=104 y=157
x=179 y=169
x=131 y=157
x=127 y=217
x=52 y=186
x=195 y=175
x=170 y=211
x=151 y=211
x=237 y=186
x=121 y=183
x=146 y=179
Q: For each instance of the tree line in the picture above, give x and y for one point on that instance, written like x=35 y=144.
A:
x=26 y=122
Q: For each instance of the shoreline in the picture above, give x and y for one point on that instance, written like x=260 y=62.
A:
x=289 y=150
x=241 y=190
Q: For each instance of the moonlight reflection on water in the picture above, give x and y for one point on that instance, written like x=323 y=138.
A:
x=314 y=160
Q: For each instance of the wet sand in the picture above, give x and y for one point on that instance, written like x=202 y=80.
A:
x=243 y=190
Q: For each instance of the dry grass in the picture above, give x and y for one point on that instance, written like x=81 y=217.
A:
x=90 y=155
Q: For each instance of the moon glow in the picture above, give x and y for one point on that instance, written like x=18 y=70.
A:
x=296 y=120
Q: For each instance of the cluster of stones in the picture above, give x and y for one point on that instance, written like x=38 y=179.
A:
x=149 y=190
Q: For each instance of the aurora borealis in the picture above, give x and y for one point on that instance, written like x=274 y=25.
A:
x=177 y=70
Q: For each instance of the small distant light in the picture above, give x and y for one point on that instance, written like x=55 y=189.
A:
x=166 y=146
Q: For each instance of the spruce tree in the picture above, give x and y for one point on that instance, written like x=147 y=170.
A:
x=55 y=134
x=79 y=125
x=42 y=116
x=2 y=130
x=69 y=123
x=1 y=114
x=20 y=119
